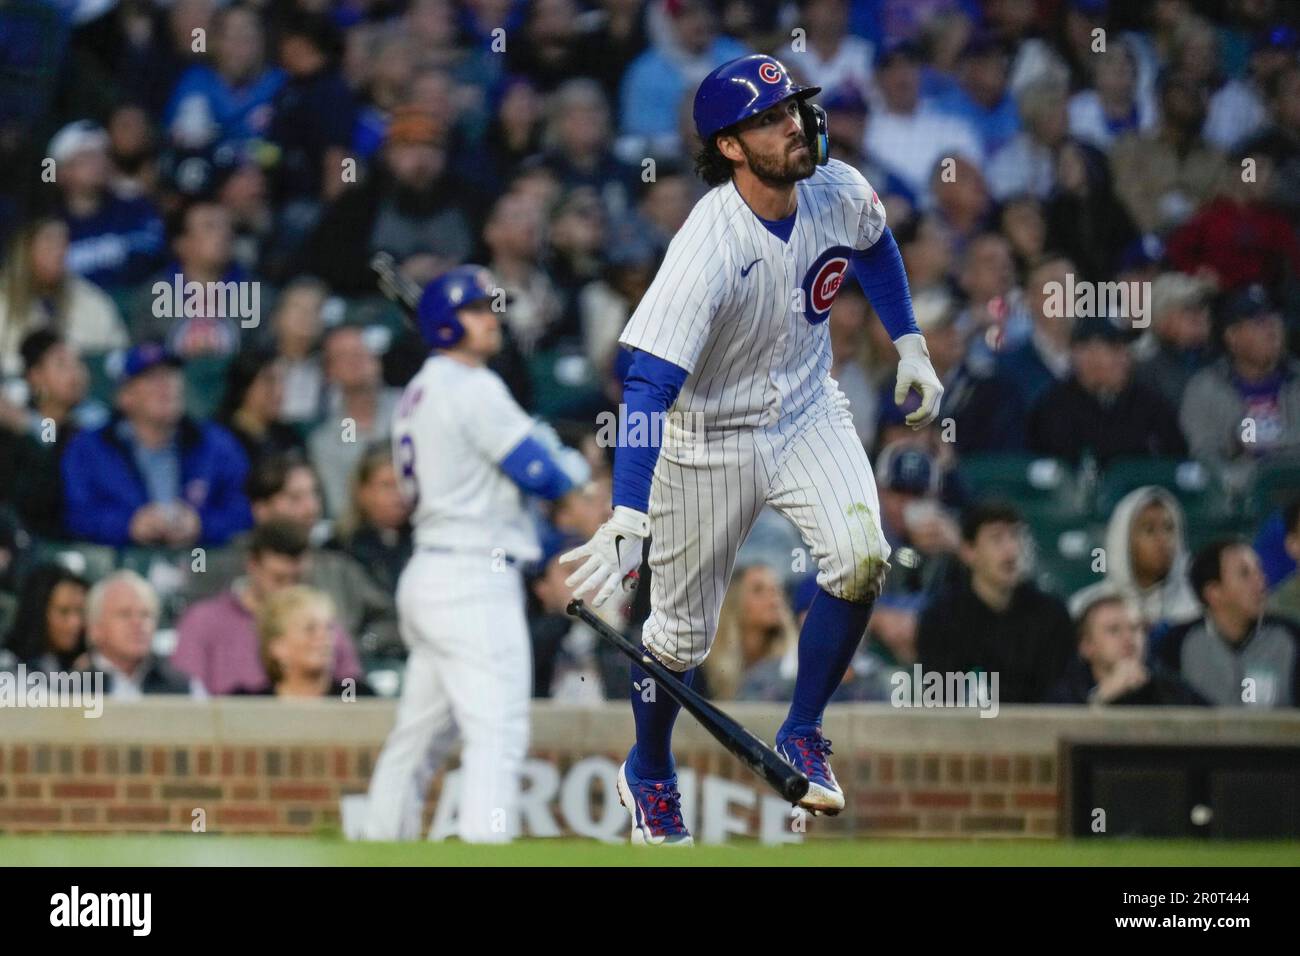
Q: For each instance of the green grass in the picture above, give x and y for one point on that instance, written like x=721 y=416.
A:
x=218 y=850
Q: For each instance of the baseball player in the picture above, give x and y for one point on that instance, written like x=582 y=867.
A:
x=466 y=454
x=732 y=332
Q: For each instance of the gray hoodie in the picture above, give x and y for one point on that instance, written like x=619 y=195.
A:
x=1170 y=601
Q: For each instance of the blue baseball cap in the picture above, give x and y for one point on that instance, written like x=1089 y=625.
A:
x=145 y=357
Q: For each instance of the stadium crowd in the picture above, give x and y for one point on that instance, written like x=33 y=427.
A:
x=197 y=495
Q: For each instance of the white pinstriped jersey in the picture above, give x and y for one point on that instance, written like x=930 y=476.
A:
x=745 y=313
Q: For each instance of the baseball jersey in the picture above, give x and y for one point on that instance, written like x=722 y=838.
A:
x=454 y=425
x=744 y=312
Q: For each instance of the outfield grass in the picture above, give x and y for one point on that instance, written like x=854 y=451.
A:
x=218 y=850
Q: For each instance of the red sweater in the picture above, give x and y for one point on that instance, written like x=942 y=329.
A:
x=1240 y=243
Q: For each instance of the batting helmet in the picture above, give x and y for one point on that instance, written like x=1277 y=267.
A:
x=443 y=297
x=745 y=87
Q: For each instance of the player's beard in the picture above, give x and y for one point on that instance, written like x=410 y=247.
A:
x=790 y=167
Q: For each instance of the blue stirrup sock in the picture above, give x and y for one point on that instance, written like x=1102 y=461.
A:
x=654 y=719
x=830 y=635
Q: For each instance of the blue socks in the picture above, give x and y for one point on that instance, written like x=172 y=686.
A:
x=654 y=724
x=831 y=634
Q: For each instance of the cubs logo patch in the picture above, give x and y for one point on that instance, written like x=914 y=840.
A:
x=769 y=73
x=823 y=281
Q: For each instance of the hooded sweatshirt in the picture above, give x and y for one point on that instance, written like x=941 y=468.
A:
x=1168 y=602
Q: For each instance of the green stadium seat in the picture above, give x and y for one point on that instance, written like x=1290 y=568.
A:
x=1043 y=489
x=205 y=384
x=1276 y=482
x=102 y=384
x=1063 y=554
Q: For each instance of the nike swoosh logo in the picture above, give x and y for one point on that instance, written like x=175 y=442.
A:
x=618 y=552
x=745 y=271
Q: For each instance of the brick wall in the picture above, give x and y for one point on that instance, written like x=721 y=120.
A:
x=259 y=766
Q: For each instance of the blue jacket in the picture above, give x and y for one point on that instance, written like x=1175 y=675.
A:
x=103 y=488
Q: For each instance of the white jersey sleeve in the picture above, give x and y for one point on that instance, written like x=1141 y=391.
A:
x=865 y=207
x=491 y=420
x=676 y=314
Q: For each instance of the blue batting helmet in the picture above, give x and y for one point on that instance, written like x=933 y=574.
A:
x=742 y=88
x=443 y=297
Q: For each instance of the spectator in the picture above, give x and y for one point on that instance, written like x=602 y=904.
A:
x=550 y=49
x=1163 y=174
x=313 y=116
x=132 y=151
x=57 y=412
x=283 y=488
x=1238 y=237
x=1280 y=140
x=919 y=531
x=514 y=235
x=1236 y=655
x=112 y=242
x=981 y=99
x=1285 y=599
x=1146 y=559
x=1032 y=368
x=579 y=150
x=569 y=660
x=1085 y=220
x=992 y=620
x=513 y=135
x=359 y=410
x=656 y=82
x=1111 y=666
x=218 y=637
x=847 y=323
x=121 y=618
x=755 y=631
x=996 y=316
x=412 y=207
x=375 y=528
x=1237 y=110
x=49 y=630
x=202 y=239
x=890 y=645
x=1247 y=404
x=1178 y=345
x=963 y=208
x=251 y=403
x=1115 y=104
x=577 y=237
x=831 y=57
x=1100 y=409
x=1027 y=163
x=296 y=326
x=152 y=475
x=296 y=629
x=1022 y=221
x=229 y=102
x=38 y=292
x=907 y=136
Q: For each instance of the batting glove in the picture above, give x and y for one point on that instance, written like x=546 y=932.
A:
x=916 y=372
x=613 y=553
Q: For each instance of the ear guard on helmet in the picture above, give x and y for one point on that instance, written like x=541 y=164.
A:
x=814 y=127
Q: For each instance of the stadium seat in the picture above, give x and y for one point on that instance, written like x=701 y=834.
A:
x=1277 y=481
x=1063 y=554
x=205 y=384
x=1043 y=489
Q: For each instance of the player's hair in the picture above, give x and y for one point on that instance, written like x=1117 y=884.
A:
x=711 y=166
x=278 y=537
x=986 y=512
x=270 y=474
x=1207 y=565
x=376 y=456
x=273 y=617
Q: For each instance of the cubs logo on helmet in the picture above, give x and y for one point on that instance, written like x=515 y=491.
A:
x=454 y=289
x=822 y=282
x=769 y=73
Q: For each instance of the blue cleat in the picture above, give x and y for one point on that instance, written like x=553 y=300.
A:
x=656 y=808
x=807 y=753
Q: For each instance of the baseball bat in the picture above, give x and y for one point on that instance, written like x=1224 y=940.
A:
x=393 y=284
x=752 y=752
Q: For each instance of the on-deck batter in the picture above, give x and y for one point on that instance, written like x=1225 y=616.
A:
x=466 y=454
x=732 y=332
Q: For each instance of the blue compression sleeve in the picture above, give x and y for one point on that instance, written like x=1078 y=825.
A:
x=651 y=387
x=883 y=279
x=531 y=466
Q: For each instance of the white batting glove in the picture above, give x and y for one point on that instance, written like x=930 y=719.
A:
x=613 y=553
x=916 y=372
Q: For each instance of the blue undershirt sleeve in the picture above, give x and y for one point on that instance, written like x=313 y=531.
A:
x=533 y=468
x=651 y=387
x=883 y=279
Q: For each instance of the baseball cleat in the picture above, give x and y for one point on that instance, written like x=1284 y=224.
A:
x=807 y=753
x=656 y=808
